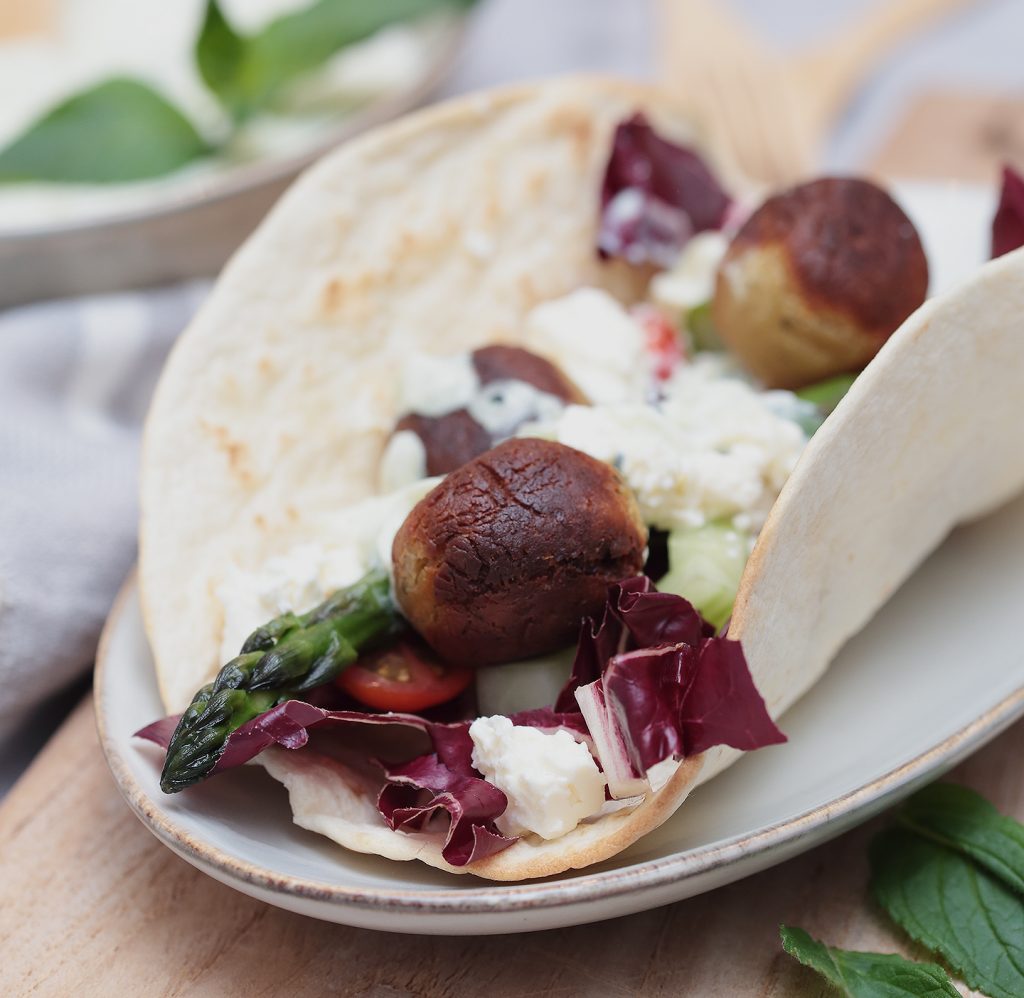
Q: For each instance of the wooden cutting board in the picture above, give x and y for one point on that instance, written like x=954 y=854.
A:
x=92 y=904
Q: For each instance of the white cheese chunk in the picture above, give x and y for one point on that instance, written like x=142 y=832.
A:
x=691 y=282
x=432 y=386
x=551 y=781
x=595 y=341
x=712 y=448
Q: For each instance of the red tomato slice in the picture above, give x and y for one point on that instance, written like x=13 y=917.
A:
x=404 y=676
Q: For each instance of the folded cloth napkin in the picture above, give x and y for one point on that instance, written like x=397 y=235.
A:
x=75 y=382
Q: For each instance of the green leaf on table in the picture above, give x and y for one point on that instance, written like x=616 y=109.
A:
x=867 y=975
x=247 y=72
x=116 y=131
x=953 y=907
x=963 y=820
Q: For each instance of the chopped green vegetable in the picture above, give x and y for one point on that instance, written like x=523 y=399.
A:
x=953 y=907
x=867 y=975
x=827 y=394
x=286 y=656
x=701 y=329
x=114 y=132
x=705 y=565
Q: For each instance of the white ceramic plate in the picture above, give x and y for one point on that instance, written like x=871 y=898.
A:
x=938 y=673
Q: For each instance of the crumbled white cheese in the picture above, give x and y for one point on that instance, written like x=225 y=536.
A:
x=551 y=781
x=691 y=281
x=595 y=342
x=432 y=385
x=712 y=448
x=353 y=541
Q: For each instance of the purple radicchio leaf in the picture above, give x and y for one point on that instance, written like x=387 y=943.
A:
x=635 y=616
x=654 y=683
x=413 y=792
x=655 y=196
x=422 y=788
x=1008 y=223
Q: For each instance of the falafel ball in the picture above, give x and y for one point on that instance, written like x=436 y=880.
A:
x=505 y=557
x=816 y=281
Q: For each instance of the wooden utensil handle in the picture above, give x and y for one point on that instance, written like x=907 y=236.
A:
x=830 y=72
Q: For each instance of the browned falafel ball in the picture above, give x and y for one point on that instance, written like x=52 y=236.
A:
x=817 y=279
x=503 y=559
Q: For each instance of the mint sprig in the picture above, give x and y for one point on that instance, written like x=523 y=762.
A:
x=116 y=131
x=867 y=975
x=959 y=818
x=954 y=907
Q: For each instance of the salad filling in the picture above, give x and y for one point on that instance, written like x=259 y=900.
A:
x=541 y=493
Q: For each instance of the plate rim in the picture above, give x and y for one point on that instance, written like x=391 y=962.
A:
x=496 y=898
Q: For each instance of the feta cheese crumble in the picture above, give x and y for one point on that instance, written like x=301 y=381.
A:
x=713 y=447
x=691 y=281
x=551 y=780
x=594 y=340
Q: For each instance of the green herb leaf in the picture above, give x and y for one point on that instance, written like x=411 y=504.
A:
x=221 y=56
x=867 y=975
x=117 y=131
x=955 y=908
x=247 y=73
x=961 y=819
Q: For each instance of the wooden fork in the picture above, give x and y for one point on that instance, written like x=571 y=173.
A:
x=771 y=112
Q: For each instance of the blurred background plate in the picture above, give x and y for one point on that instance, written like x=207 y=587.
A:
x=187 y=228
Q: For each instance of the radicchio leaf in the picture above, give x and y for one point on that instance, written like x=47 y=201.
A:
x=471 y=803
x=414 y=791
x=655 y=196
x=1008 y=223
x=654 y=683
x=635 y=616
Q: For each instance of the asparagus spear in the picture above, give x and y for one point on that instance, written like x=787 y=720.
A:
x=286 y=656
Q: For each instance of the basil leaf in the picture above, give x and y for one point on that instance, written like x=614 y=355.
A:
x=246 y=73
x=116 y=131
x=963 y=820
x=867 y=975
x=953 y=907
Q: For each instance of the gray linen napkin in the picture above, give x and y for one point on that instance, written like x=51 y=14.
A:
x=75 y=381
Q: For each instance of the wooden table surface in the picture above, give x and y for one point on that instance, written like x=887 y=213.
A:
x=92 y=904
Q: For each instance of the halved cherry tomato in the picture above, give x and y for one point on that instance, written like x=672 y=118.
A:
x=404 y=676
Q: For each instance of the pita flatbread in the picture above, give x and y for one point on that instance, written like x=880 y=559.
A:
x=440 y=233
